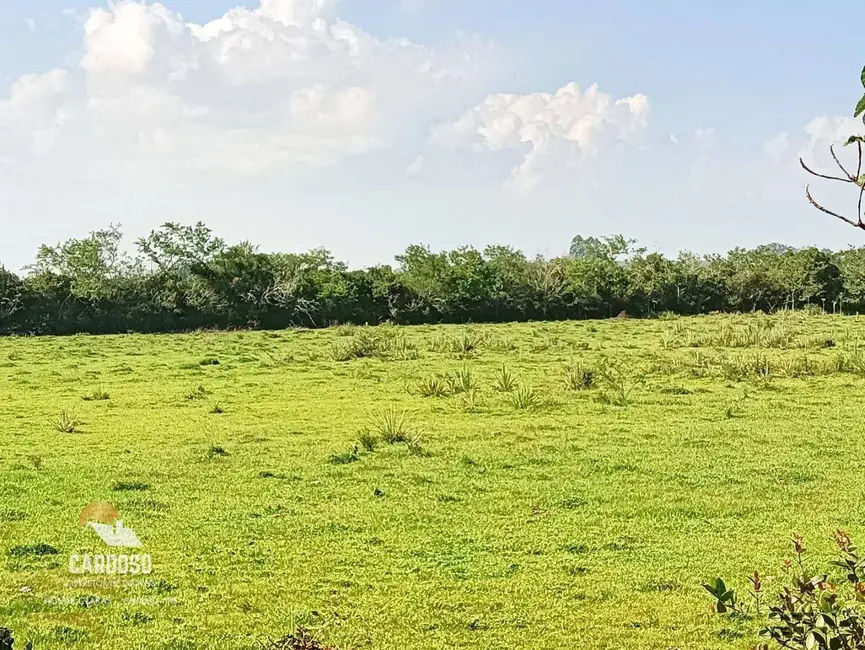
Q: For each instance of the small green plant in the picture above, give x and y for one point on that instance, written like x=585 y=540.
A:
x=392 y=426
x=217 y=451
x=97 y=395
x=402 y=349
x=669 y=340
x=579 y=378
x=32 y=550
x=368 y=441
x=136 y=618
x=301 y=639
x=66 y=422
x=415 y=445
x=765 y=373
x=470 y=401
x=197 y=393
x=345 y=330
x=217 y=409
x=343 y=351
x=505 y=381
x=525 y=398
x=461 y=381
x=500 y=344
x=347 y=458
x=464 y=344
x=853 y=363
x=366 y=343
x=620 y=380
x=432 y=386
x=675 y=390
x=130 y=486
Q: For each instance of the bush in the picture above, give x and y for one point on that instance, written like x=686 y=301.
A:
x=813 y=611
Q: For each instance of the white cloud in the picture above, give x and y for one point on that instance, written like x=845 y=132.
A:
x=552 y=129
x=285 y=83
x=832 y=129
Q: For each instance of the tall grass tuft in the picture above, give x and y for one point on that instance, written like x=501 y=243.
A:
x=365 y=343
x=432 y=386
x=97 y=395
x=368 y=441
x=197 y=393
x=470 y=401
x=525 y=398
x=461 y=381
x=578 y=378
x=504 y=381
x=853 y=363
x=402 y=349
x=392 y=426
x=66 y=422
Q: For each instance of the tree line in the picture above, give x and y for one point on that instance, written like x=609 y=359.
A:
x=184 y=277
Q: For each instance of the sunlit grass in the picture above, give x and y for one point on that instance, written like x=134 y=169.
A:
x=571 y=488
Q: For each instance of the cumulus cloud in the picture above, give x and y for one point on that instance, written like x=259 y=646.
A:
x=287 y=82
x=831 y=129
x=551 y=130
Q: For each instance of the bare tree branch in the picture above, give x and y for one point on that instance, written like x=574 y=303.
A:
x=855 y=224
x=838 y=162
x=813 y=173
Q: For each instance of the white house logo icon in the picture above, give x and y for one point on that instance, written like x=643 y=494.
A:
x=105 y=520
x=117 y=535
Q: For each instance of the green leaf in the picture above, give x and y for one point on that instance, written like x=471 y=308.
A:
x=860 y=107
x=854 y=138
x=716 y=587
x=863 y=76
x=810 y=641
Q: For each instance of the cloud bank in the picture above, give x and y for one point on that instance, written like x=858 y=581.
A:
x=289 y=83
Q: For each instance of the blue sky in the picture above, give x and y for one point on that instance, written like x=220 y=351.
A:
x=452 y=135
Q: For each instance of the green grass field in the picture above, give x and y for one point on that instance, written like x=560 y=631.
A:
x=540 y=517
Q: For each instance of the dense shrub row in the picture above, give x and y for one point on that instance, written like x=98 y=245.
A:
x=183 y=277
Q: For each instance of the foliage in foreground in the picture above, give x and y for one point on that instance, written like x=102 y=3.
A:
x=813 y=610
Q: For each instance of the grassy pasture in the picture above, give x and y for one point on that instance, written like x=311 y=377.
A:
x=517 y=509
